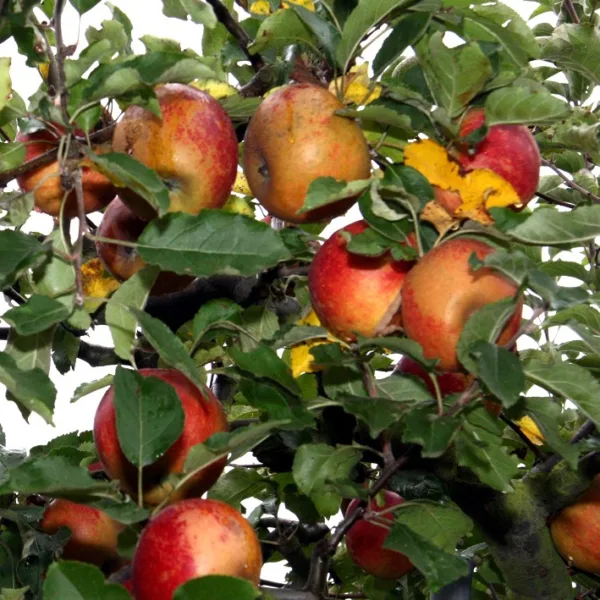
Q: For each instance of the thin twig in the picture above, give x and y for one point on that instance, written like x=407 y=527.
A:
x=570 y=8
x=551 y=200
x=61 y=80
x=569 y=182
x=243 y=39
x=82 y=230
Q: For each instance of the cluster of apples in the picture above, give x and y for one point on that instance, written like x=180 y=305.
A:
x=191 y=537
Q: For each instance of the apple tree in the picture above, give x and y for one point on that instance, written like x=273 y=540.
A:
x=406 y=408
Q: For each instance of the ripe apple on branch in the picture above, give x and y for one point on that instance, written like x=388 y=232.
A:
x=404 y=407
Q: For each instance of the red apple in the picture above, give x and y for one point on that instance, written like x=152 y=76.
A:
x=294 y=138
x=356 y=294
x=45 y=182
x=576 y=530
x=204 y=416
x=442 y=291
x=508 y=150
x=190 y=539
x=120 y=223
x=365 y=542
x=93 y=533
x=193 y=148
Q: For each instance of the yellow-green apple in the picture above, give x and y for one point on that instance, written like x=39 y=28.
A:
x=93 y=533
x=204 y=416
x=191 y=539
x=442 y=291
x=576 y=530
x=294 y=138
x=351 y=293
x=508 y=150
x=193 y=148
x=45 y=182
x=120 y=223
x=365 y=541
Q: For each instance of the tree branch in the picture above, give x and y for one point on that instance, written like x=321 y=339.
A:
x=570 y=8
x=101 y=136
x=569 y=182
x=234 y=28
x=61 y=86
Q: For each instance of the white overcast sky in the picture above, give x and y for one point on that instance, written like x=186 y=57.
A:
x=147 y=18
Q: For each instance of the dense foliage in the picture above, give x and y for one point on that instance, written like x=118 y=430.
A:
x=325 y=417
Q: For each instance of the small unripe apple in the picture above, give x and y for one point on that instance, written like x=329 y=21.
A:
x=94 y=534
x=45 y=181
x=294 y=138
x=365 y=541
x=122 y=262
x=191 y=539
x=354 y=294
x=193 y=148
x=576 y=530
x=508 y=150
x=442 y=291
x=204 y=416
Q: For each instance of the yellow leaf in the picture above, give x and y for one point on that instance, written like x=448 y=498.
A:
x=307 y=4
x=272 y=91
x=44 y=70
x=217 y=89
x=529 y=427
x=356 y=86
x=97 y=283
x=439 y=217
x=260 y=7
x=301 y=358
x=241 y=185
x=478 y=190
x=239 y=206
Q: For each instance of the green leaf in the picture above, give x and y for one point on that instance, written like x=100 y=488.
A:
x=212 y=312
x=404 y=34
x=377 y=413
x=54 y=476
x=236 y=443
x=277 y=407
x=500 y=370
x=32 y=387
x=574 y=47
x=524 y=105
x=133 y=293
x=546 y=226
x=298 y=334
x=378 y=113
x=82 y=6
x=18 y=206
x=568 y=381
x=264 y=362
x=71 y=580
x=586 y=315
x=398 y=345
x=500 y=24
x=193 y=244
x=125 y=171
x=65 y=349
x=317 y=466
x=438 y=566
x=591 y=341
x=402 y=389
x=485 y=324
x=18 y=252
x=237 y=485
x=36 y=315
x=366 y=15
x=327 y=36
x=5 y=82
x=169 y=347
x=149 y=416
x=199 y=11
x=444 y=525
x=455 y=75
x=479 y=448
x=282 y=28
x=85 y=389
x=546 y=414
x=432 y=432
x=217 y=587
x=326 y=190
x=56 y=278
x=12 y=154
